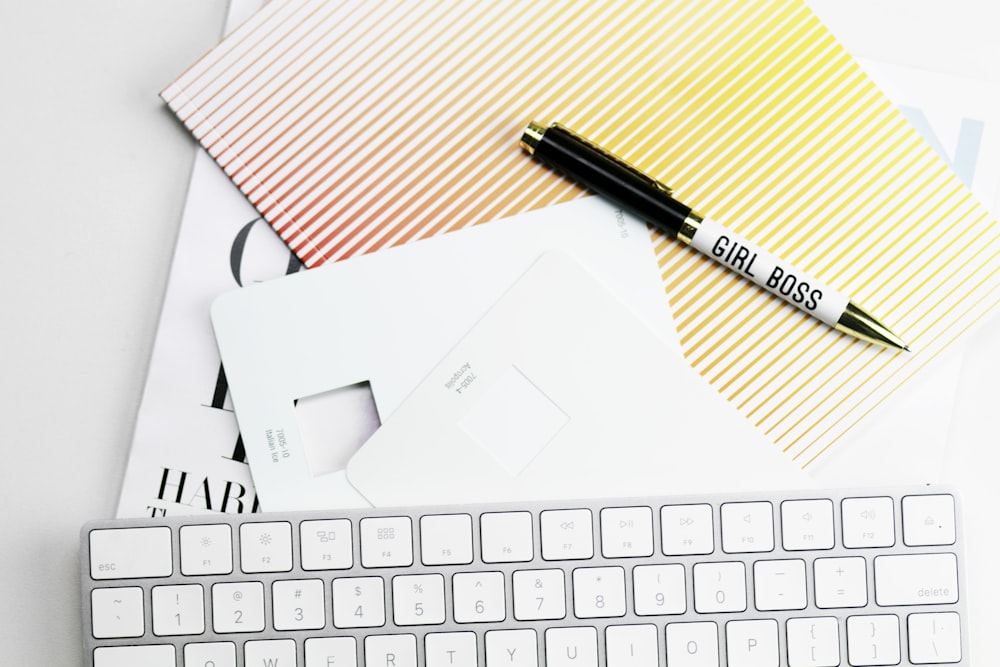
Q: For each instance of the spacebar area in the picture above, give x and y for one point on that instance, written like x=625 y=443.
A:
x=916 y=579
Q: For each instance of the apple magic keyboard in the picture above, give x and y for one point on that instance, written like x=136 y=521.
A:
x=811 y=579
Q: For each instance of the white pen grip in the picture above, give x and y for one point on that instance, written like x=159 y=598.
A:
x=773 y=274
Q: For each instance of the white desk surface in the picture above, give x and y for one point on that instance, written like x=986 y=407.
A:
x=93 y=170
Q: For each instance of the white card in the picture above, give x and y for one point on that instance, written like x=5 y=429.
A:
x=387 y=319
x=560 y=391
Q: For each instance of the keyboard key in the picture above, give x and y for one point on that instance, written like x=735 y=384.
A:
x=238 y=607
x=747 y=527
x=841 y=582
x=752 y=643
x=659 y=589
x=631 y=646
x=873 y=640
x=330 y=652
x=539 y=594
x=506 y=537
x=599 y=592
x=626 y=532
x=935 y=638
x=916 y=579
x=154 y=655
x=567 y=534
x=928 y=520
x=446 y=539
x=269 y=652
x=692 y=644
x=130 y=553
x=418 y=599
x=813 y=642
x=387 y=542
x=210 y=654
x=807 y=524
x=449 y=649
x=571 y=647
x=868 y=522
x=178 y=610
x=719 y=587
x=266 y=547
x=687 y=530
x=117 y=612
x=391 y=651
x=206 y=549
x=326 y=544
x=779 y=584
x=479 y=597
x=298 y=604
x=359 y=602
x=511 y=648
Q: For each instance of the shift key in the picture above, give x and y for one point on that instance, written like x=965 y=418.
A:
x=914 y=579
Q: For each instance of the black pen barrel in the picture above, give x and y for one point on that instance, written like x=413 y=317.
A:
x=617 y=181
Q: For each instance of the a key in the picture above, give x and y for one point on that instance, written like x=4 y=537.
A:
x=567 y=534
x=446 y=539
x=450 y=649
x=598 y=592
x=916 y=579
x=358 y=602
x=266 y=547
x=626 y=532
x=238 y=607
x=387 y=541
x=210 y=654
x=206 y=549
x=752 y=643
x=747 y=527
x=873 y=640
x=807 y=524
x=659 y=589
x=779 y=584
x=841 y=582
x=692 y=644
x=269 y=652
x=298 y=604
x=418 y=599
x=155 y=655
x=326 y=544
x=571 y=647
x=117 y=612
x=631 y=646
x=479 y=597
x=686 y=530
x=178 y=610
x=539 y=594
x=813 y=642
x=390 y=651
x=130 y=553
x=719 y=587
x=330 y=651
x=511 y=648
x=506 y=537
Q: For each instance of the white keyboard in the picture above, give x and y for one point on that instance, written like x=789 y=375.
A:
x=766 y=580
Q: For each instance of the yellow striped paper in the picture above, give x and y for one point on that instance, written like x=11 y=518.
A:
x=353 y=126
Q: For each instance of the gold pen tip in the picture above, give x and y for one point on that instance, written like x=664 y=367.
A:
x=531 y=136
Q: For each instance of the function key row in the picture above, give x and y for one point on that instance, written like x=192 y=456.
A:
x=509 y=537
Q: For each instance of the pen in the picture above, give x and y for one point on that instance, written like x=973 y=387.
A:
x=652 y=201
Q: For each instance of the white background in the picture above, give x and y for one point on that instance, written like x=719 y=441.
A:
x=93 y=171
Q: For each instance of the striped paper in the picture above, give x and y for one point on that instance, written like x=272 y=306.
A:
x=353 y=126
